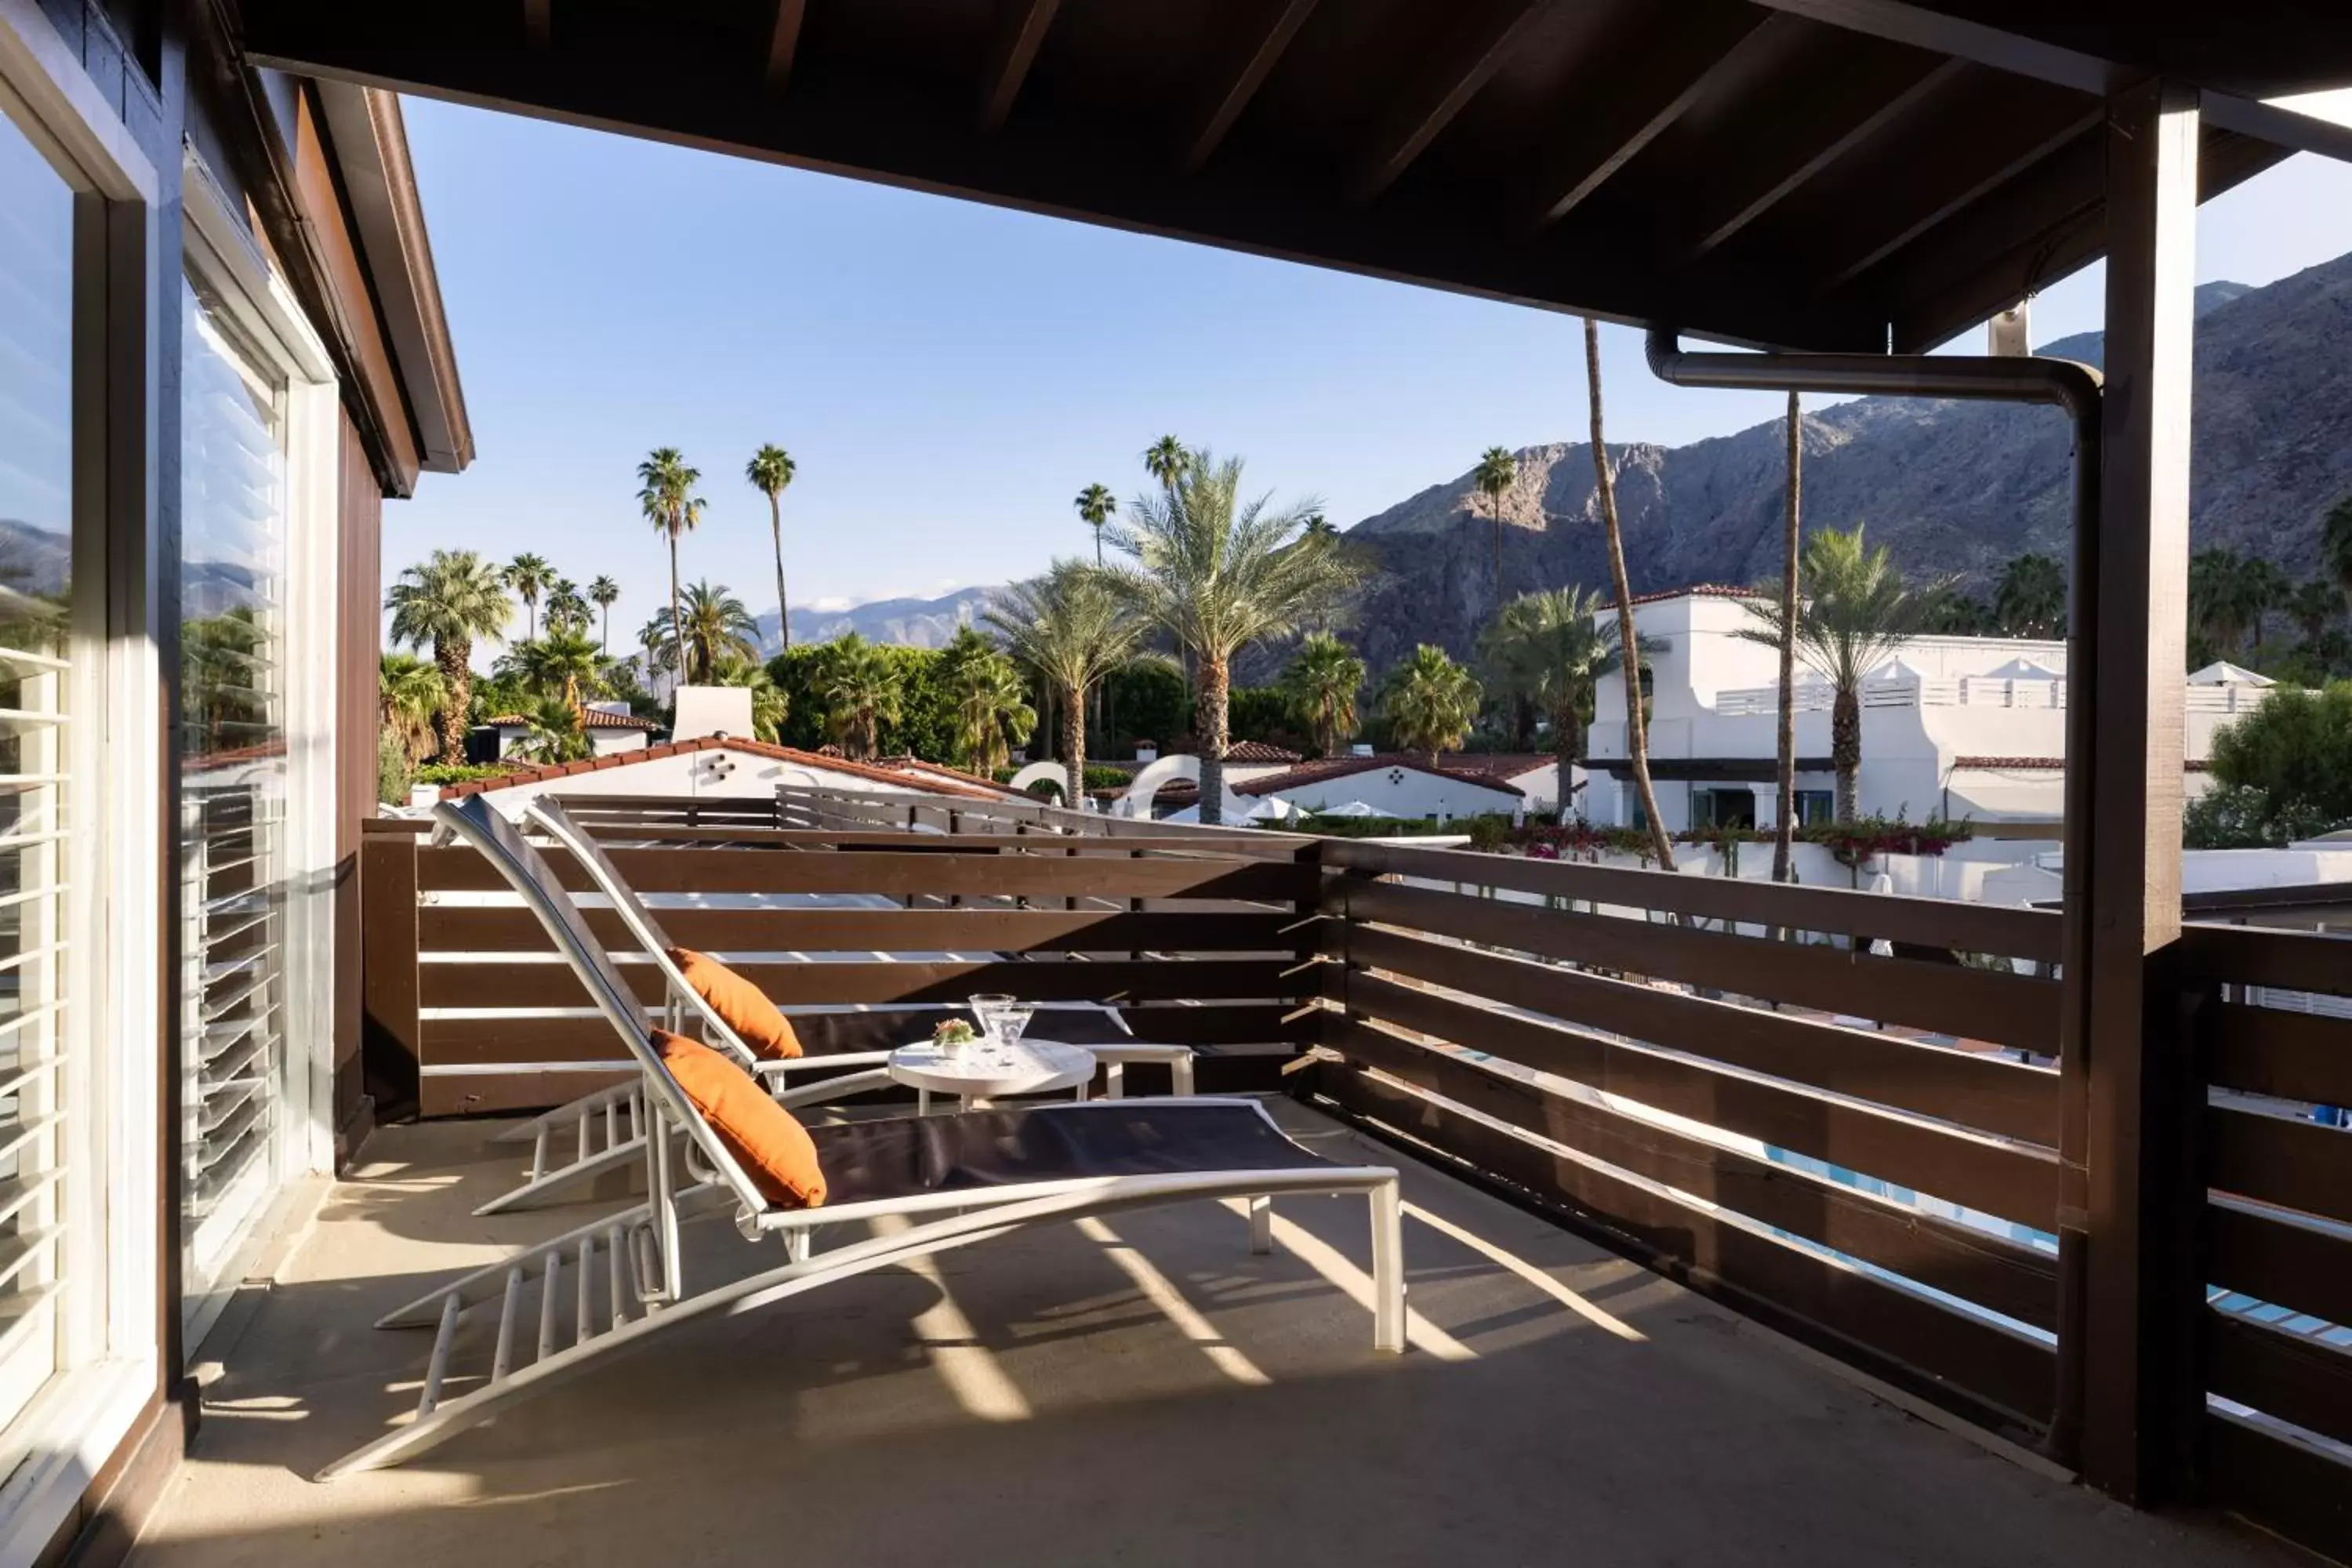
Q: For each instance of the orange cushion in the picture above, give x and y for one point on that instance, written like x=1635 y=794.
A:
x=740 y=1005
x=774 y=1149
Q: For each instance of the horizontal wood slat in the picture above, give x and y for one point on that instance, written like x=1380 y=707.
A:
x=2268 y=1051
x=1931 y=922
x=482 y=1094
x=2016 y=1281
x=2296 y=1379
x=2004 y=1009
x=1012 y=874
x=2288 y=1262
x=2014 y=1180
x=2280 y=1484
x=2280 y=1160
x=445 y=929
x=2258 y=955
x=555 y=985
x=1973 y=1089
x=524 y=1040
x=899 y=841
x=1995 y=1376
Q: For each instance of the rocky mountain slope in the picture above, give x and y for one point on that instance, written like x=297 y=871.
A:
x=915 y=622
x=1956 y=488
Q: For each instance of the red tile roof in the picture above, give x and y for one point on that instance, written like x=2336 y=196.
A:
x=528 y=774
x=1258 y=752
x=1349 y=767
x=2044 y=764
x=594 y=718
x=1698 y=591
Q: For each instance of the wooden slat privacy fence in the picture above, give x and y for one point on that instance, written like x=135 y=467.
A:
x=1840 y=1111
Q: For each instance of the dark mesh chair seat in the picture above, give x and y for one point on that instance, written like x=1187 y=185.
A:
x=908 y=1155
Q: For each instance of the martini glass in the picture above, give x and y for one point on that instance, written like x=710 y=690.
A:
x=987 y=1006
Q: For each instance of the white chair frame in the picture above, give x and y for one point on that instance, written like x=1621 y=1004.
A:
x=641 y=1266
x=604 y=1130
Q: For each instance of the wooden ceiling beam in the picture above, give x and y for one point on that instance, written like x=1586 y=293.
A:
x=1459 y=67
x=1816 y=133
x=1949 y=174
x=1652 y=80
x=1277 y=23
x=1020 y=30
x=539 y=22
x=784 y=42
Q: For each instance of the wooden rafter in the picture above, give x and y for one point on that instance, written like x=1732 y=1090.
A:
x=1019 y=30
x=1277 y=24
x=539 y=22
x=784 y=42
x=1655 y=77
x=1820 y=131
x=1458 y=69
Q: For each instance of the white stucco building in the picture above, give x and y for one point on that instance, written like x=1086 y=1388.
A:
x=1407 y=787
x=1953 y=726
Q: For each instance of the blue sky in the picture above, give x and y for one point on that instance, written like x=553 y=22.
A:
x=949 y=376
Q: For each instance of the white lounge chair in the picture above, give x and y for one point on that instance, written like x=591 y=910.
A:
x=969 y=1177
x=604 y=1130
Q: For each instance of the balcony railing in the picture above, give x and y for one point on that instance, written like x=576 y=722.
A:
x=1966 y=691
x=1840 y=1112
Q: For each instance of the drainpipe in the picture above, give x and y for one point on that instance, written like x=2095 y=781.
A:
x=2075 y=388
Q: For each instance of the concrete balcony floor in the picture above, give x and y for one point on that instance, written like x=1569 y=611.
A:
x=1144 y=1392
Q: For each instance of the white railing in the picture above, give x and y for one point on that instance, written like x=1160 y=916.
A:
x=1965 y=692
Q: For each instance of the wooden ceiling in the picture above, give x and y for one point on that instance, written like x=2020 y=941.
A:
x=1825 y=174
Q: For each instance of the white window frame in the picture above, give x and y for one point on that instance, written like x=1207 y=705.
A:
x=109 y=1349
x=222 y=252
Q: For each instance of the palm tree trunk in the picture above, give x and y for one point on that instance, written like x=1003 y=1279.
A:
x=1209 y=719
x=784 y=606
x=1845 y=750
x=604 y=643
x=1564 y=739
x=1637 y=738
x=676 y=620
x=1074 y=751
x=456 y=660
x=1784 y=810
x=1495 y=511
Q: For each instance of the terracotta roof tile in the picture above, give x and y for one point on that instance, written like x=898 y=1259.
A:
x=1349 y=767
x=930 y=778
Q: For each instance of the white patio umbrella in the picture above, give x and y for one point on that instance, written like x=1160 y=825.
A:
x=1354 y=808
x=1273 y=808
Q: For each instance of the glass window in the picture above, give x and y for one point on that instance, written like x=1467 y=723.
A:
x=1815 y=807
x=36 y=304
x=232 y=792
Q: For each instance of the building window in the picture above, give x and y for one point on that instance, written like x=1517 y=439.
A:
x=37 y=905
x=1723 y=807
x=1815 y=807
x=233 y=794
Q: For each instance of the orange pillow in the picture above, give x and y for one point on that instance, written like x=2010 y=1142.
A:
x=740 y=1005
x=774 y=1149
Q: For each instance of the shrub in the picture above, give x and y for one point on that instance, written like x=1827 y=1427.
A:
x=461 y=772
x=391 y=770
x=2282 y=771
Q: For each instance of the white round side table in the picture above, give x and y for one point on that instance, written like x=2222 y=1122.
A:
x=981 y=1072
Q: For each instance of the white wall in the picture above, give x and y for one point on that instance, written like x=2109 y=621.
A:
x=1404 y=791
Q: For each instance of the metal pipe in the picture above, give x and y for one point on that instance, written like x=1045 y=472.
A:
x=2079 y=390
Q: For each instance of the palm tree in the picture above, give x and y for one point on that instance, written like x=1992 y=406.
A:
x=604 y=592
x=1318 y=526
x=1497 y=471
x=554 y=734
x=1166 y=460
x=769 y=707
x=1430 y=701
x=452 y=598
x=1858 y=612
x=530 y=576
x=659 y=647
x=1323 y=683
x=717 y=626
x=2030 y=600
x=2311 y=607
x=1944 y=611
x=1071 y=627
x=566 y=607
x=1094 y=505
x=769 y=471
x=2219 y=603
x=1552 y=649
x=993 y=711
x=2335 y=547
x=666 y=495
x=410 y=691
x=1784 y=773
x=2263 y=587
x=1637 y=738
x=563 y=665
x=862 y=689
x=1218 y=574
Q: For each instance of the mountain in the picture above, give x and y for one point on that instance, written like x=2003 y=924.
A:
x=915 y=622
x=1956 y=488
